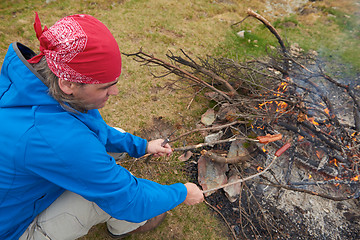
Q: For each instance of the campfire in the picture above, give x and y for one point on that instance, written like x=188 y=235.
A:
x=281 y=153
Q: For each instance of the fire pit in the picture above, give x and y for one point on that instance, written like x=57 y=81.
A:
x=311 y=191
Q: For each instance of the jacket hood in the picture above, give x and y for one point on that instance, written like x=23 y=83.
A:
x=20 y=84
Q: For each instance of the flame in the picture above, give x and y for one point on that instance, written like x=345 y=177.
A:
x=312 y=120
x=259 y=168
x=310 y=176
x=355 y=178
x=337 y=184
x=326 y=110
x=280 y=105
x=265 y=103
x=282 y=87
x=262 y=127
x=334 y=161
x=264 y=150
x=300 y=138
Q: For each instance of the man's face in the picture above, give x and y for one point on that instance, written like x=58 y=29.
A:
x=94 y=96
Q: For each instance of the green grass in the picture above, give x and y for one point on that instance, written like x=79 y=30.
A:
x=335 y=35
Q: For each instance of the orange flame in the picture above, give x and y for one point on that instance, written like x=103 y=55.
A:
x=282 y=87
x=280 y=105
x=334 y=161
x=355 y=178
x=259 y=168
x=312 y=120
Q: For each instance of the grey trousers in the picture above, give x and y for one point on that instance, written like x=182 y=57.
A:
x=70 y=217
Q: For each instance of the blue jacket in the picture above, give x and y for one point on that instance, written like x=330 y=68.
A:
x=45 y=150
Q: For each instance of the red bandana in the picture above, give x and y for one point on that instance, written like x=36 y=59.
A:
x=79 y=48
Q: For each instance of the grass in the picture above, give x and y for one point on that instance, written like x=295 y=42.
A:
x=201 y=28
x=332 y=29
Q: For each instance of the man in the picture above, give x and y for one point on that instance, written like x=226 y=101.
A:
x=56 y=177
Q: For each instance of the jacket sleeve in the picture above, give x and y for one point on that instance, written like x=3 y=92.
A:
x=112 y=139
x=125 y=142
x=77 y=161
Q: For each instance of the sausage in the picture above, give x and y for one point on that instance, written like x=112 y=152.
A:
x=282 y=149
x=269 y=138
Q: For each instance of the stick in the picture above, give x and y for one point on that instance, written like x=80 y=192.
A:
x=277 y=154
x=310 y=192
x=206 y=129
x=174 y=69
x=269 y=26
x=217 y=210
x=243 y=179
x=204 y=144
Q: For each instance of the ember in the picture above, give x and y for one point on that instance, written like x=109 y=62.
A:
x=318 y=119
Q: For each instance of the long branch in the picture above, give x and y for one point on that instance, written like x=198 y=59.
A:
x=176 y=70
x=207 y=129
x=206 y=72
x=242 y=179
x=269 y=26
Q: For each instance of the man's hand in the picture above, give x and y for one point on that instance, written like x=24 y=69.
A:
x=154 y=147
x=194 y=194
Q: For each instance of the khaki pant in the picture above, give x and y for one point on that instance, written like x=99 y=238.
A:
x=70 y=217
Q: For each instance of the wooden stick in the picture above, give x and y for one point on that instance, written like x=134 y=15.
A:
x=242 y=179
x=172 y=68
x=204 y=144
x=269 y=26
x=207 y=129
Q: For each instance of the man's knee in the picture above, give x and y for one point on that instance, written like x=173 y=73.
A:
x=69 y=217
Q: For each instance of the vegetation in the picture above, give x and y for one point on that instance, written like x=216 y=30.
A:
x=201 y=28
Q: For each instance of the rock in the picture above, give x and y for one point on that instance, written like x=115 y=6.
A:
x=213 y=137
x=184 y=157
x=208 y=117
x=211 y=174
x=241 y=33
x=237 y=149
x=232 y=192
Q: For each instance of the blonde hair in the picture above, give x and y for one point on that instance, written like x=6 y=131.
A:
x=68 y=102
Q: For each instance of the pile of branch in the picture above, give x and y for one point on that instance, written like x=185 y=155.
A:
x=280 y=89
x=288 y=92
